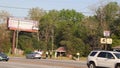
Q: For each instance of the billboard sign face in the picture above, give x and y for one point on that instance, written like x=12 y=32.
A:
x=22 y=24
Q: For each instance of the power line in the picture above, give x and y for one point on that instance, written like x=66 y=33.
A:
x=14 y=7
x=11 y=7
x=26 y=8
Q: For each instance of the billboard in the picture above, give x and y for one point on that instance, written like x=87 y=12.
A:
x=22 y=24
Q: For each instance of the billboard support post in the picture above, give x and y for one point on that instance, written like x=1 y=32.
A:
x=17 y=35
x=13 y=43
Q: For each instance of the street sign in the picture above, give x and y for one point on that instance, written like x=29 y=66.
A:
x=103 y=40
x=109 y=41
x=106 y=40
x=106 y=33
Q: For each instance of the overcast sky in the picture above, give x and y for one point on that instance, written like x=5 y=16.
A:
x=21 y=7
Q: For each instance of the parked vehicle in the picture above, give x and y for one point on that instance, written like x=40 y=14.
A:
x=3 y=57
x=33 y=55
x=100 y=58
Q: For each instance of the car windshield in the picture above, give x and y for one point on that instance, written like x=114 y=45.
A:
x=3 y=55
x=34 y=53
x=117 y=55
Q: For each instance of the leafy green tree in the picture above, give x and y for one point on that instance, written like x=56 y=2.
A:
x=73 y=30
x=25 y=44
x=90 y=32
x=34 y=14
x=106 y=15
x=66 y=32
x=115 y=32
x=48 y=24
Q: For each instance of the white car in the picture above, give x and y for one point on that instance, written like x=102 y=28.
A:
x=33 y=55
x=101 y=58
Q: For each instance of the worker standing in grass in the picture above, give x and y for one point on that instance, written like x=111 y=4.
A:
x=50 y=54
x=55 y=54
x=46 y=54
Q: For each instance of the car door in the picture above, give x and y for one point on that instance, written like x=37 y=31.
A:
x=110 y=60
x=101 y=59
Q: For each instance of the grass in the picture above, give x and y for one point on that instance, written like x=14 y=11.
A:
x=66 y=58
x=57 y=58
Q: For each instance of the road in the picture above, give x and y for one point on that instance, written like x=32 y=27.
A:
x=42 y=63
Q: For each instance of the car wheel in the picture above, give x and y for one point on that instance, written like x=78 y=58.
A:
x=39 y=58
x=92 y=65
x=27 y=57
x=33 y=57
x=118 y=66
x=6 y=60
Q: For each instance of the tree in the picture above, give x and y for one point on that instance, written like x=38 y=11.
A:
x=4 y=33
x=66 y=33
x=66 y=24
x=33 y=14
x=36 y=13
x=106 y=15
x=91 y=32
x=48 y=23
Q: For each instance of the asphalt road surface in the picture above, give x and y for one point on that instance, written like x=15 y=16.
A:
x=41 y=63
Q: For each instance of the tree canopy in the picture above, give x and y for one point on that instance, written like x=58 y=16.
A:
x=67 y=28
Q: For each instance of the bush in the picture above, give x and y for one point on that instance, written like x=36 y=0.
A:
x=28 y=51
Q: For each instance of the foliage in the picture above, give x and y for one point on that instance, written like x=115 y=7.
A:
x=36 y=13
x=5 y=34
x=26 y=43
x=108 y=16
x=68 y=28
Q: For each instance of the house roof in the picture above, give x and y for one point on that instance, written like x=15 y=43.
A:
x=116 y=47
x=61 y=49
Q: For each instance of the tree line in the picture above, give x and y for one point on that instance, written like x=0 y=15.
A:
x=67 y=28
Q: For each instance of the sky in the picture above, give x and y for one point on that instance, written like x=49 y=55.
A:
x=21 y=7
